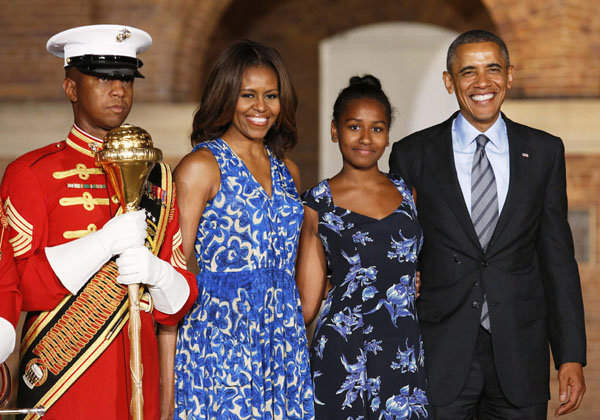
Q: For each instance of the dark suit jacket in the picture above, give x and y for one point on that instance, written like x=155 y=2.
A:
x=528 y=271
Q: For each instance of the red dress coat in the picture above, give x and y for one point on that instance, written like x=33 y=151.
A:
x=10 y=297
x=57 y=194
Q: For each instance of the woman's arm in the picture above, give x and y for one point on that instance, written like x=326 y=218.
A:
x=197 y=178
x=167 y=340
x=311 y=266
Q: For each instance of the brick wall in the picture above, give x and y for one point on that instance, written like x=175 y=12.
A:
x=555 y=45
x=180 y=30
x=583 y=184
x=28 y=72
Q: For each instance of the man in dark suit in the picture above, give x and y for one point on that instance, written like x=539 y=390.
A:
x=499 y=277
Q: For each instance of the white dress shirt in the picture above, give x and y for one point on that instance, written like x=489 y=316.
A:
x=464 y=146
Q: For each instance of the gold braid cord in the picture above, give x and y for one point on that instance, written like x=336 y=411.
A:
x=98 y=301
x=100 y=307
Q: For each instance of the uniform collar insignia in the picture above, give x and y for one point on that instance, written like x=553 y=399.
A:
x=83 y=142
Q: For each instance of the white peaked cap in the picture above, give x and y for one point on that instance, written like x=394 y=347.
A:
x=108 y=42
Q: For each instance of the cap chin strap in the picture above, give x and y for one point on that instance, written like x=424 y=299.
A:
x=107 y=65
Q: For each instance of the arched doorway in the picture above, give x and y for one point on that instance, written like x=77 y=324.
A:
x=407 y=57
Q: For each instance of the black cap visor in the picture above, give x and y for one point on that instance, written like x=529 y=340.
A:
x=106 y=65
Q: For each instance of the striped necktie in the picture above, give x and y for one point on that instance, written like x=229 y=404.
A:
x=484 y=206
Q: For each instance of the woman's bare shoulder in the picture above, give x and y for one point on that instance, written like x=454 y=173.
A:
x=198 y=168
x=294 y=171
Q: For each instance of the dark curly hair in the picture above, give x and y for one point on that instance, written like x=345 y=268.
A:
x=219 y=99
x=359 y=87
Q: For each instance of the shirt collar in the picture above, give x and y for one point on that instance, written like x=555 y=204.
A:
x=83 y=142
x=466 y=133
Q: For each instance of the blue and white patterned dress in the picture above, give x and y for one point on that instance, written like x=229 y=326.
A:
x=367 y=354
x=242 y=350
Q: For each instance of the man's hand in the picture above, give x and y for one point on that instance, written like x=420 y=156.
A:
x=168 y=287
x=571 y=387
x=76 y=261
x=127 y=230
x=139 y=265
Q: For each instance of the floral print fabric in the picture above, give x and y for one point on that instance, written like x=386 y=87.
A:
x=367 y=354
x=242 y=350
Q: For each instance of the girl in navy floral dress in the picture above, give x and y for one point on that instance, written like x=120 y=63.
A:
x=361 y=228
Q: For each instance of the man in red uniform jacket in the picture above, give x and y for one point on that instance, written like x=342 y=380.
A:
x=65 y=226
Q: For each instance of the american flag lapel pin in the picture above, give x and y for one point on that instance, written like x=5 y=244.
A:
x=525 y=155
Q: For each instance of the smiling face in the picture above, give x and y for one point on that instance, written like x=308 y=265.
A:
x=480 y=79
x=258 y=105
x=362 y=132
x=99 y=104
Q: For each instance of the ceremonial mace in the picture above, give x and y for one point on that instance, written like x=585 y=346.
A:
x=127 y=157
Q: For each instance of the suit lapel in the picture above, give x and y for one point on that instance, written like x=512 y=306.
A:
x=441 y=158
x=516 y=185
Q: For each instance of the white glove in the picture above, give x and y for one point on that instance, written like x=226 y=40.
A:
x=7 y=339
x=168 y=287
x=127 y=230
x=76 y=261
